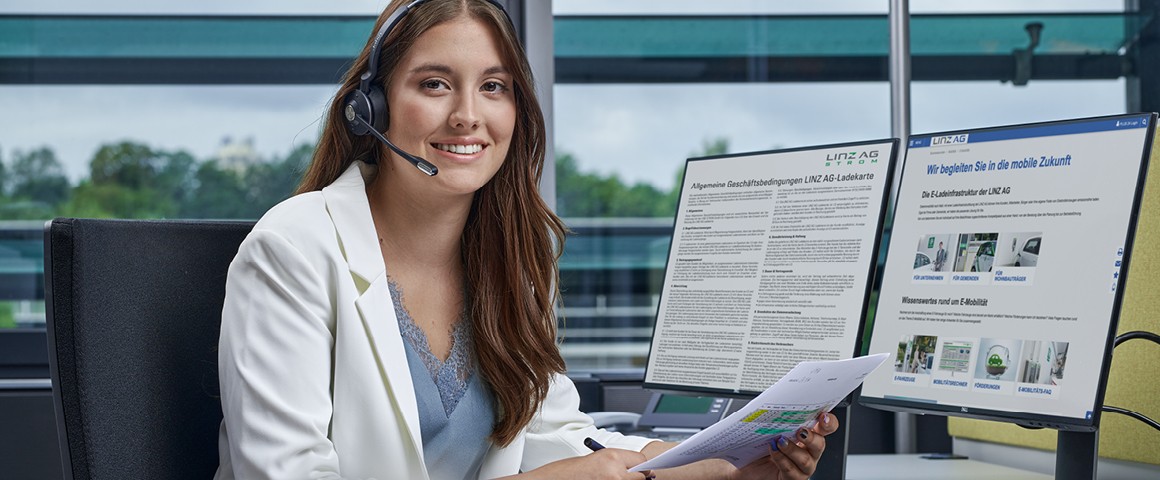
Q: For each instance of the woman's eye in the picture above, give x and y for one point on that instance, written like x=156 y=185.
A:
x=493 y=87
x=433 y=85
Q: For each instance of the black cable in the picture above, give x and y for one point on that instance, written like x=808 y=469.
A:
x=1123 y=411
x=1136 y=334
x=1135 y=415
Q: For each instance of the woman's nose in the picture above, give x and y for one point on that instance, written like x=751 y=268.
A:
x=464 y=116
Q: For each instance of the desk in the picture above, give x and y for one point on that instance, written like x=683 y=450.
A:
x=903 y=467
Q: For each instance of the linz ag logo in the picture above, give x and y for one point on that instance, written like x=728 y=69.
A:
x=867 y=157
x=948 y=140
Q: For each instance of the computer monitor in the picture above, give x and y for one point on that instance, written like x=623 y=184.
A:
x=770 y=264
x=1005 y=269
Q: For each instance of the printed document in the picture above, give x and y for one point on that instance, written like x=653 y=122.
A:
x=793 y=402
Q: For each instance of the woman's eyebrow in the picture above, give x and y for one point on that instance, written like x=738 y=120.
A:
x=432 y=67
x=498 y=69
x=447 y=70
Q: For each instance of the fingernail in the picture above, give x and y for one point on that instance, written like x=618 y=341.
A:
x=803 y=434
x=782 y=442
x=825 y=419
x=773 y=443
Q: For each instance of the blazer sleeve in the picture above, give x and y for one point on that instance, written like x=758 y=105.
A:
x=275 y=364
x=559 y=430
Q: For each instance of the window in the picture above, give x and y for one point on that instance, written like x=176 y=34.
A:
x=148 y=116
x=111 y=112
x=639 y=88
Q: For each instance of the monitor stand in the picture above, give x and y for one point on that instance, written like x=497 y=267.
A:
x=832 y=465
x=1076 y=455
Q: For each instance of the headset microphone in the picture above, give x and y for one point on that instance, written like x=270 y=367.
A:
x=423 y=165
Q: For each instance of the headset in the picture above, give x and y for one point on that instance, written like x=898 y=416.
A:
x=366 y=107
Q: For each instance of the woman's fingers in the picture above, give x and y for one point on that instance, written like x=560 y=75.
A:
x=623 y=460
x=827 y=423
x=814 y=444
x=793 y=461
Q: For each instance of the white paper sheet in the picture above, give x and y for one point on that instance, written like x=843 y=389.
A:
x=793 y=402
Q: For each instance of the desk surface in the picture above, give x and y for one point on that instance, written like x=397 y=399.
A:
x=904 y=467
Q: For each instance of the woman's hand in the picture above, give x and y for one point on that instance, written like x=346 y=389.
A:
x=795 y=456
x=608 y=463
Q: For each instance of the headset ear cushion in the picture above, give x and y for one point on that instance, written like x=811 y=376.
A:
x=357 y=103
x=380 y=114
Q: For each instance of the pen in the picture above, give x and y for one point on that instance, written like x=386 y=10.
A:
x=596 y=446
x=592 y=444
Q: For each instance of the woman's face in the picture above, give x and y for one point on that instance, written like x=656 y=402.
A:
x=451 y=103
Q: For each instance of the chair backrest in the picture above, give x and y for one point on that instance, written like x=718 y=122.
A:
x=134 y=313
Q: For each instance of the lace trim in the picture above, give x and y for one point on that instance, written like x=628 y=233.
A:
x=451 y=377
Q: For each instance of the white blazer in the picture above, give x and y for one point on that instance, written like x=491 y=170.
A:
x=314 y=378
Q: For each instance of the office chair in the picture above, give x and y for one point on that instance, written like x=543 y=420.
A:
x=134 y=313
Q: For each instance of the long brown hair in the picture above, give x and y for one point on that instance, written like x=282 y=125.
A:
x=511 y=241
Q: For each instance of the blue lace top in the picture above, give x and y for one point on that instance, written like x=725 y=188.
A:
x=456 y=409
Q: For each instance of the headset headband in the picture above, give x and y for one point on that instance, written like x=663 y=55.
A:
x=397 y=16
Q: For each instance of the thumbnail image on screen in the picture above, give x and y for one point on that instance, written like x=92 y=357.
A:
x=915 y=354
x=979 y=324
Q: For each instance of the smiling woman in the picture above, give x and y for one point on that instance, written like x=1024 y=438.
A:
x=394 y=323
x=400 y=324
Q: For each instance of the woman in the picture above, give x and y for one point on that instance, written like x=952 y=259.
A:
x=389 y=324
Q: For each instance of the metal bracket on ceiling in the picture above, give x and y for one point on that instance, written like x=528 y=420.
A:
x=1023 y=55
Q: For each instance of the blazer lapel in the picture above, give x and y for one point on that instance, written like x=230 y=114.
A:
x=346 y=201
x=382 y=327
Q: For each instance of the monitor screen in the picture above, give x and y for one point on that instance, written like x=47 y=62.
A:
x=681 y=404
x=679 y=411
x=769 y=265
x=1004 y=270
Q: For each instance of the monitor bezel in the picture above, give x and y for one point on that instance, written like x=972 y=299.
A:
x=1032 y=419
x=892 y=163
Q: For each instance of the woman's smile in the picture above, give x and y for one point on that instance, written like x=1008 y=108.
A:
x=460 y=150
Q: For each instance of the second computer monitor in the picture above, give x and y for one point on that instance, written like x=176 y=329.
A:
x=770 y=264
x=1005 y=270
